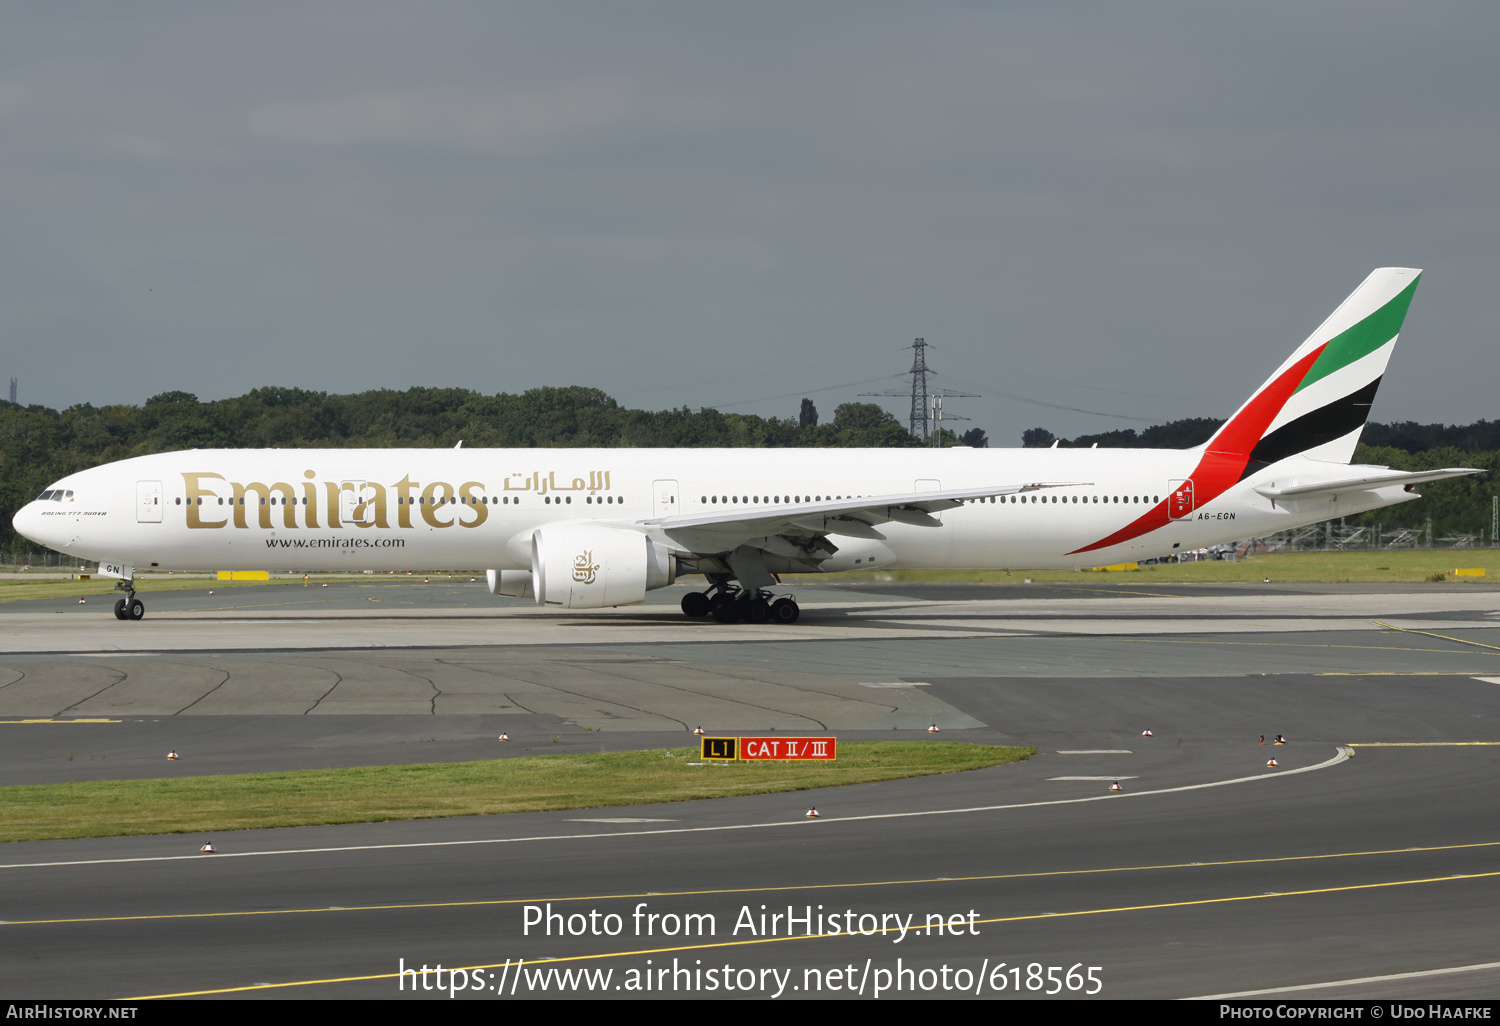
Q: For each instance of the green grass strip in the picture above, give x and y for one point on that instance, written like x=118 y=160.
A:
x=1407 y=565
x=20 y=589
x=372 y=794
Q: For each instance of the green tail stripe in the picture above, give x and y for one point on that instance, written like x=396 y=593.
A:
x=1362 y=339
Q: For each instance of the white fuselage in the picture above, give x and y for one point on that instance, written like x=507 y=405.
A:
x=411 y=509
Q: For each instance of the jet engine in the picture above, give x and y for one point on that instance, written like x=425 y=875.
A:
x=585 y=566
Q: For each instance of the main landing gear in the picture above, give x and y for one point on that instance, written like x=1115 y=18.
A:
x=731 y=605
x=130 y=607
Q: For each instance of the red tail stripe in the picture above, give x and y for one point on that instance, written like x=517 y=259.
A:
x=1148 y=521
x=1228 y=452
x=1238 y=437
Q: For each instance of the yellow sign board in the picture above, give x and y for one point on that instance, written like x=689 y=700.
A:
x=720 y=748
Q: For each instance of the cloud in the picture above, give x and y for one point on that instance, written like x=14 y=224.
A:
x=488 y=118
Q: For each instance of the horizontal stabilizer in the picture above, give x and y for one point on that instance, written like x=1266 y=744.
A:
x=1375 y=477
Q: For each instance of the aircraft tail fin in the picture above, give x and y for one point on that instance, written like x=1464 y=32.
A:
x=1317 y=401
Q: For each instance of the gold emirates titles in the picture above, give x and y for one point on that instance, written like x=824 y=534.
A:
x=370 y=501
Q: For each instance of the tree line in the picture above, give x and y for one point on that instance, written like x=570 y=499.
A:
x=38 y=445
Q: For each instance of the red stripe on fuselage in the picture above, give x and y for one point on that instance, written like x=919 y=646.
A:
x=1227 y=453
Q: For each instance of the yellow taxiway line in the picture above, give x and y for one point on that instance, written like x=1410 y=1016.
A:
x=758 y=890
x=506 y=965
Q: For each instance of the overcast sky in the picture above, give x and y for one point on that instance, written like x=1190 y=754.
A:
x=1133 y=209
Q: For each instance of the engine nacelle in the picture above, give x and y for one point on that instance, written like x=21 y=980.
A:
x=510 y=583
x=585 y=566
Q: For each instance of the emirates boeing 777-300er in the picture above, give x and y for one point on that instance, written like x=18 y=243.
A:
x=587 y=528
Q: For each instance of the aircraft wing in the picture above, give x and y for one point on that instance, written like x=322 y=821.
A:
x=1375 y=477
x=857 y=515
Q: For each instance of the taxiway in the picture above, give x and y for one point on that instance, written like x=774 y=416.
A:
x=1368 y=854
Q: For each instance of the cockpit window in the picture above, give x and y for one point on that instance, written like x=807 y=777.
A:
x=44 y=496
x=57 y=496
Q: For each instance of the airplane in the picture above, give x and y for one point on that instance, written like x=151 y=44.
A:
x=593 y=528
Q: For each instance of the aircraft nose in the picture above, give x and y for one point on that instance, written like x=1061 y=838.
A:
x=30 y=524
x=24 y=520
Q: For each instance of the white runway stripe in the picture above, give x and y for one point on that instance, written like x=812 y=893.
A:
x=1350 y=983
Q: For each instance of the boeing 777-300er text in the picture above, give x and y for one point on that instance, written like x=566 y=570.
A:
x=587 y=528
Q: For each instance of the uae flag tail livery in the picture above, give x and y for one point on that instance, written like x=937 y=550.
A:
x=589 y=528
x=1311 y=412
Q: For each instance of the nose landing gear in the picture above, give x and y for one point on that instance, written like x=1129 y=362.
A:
x=130 y=607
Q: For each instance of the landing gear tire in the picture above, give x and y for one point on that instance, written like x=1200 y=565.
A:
x=696 y=605
x=120 y=612
x=725 y=607
x=784 y=610
x=137 y=609
x=757 y=611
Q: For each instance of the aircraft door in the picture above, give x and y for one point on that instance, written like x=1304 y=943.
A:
x=664 y=499
x=353 y=499
x=148 y=502
x=1180 y=499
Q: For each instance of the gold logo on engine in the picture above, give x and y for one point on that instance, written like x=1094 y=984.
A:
x=584 y=567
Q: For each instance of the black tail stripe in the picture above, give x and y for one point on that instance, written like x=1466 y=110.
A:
x=1322 y=425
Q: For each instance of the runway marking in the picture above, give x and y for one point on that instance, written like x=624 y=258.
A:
x=1344 y=753
x=1350 y=983
x=1430 y=634
x=1391 y=673
x=1094 y=751
x=1489 y=680
x=1294 y=644
x=79 y=720
x=823 y=936
x=1093 y=778
x=625 y=819
x=1420 y=744
x=753 y=890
